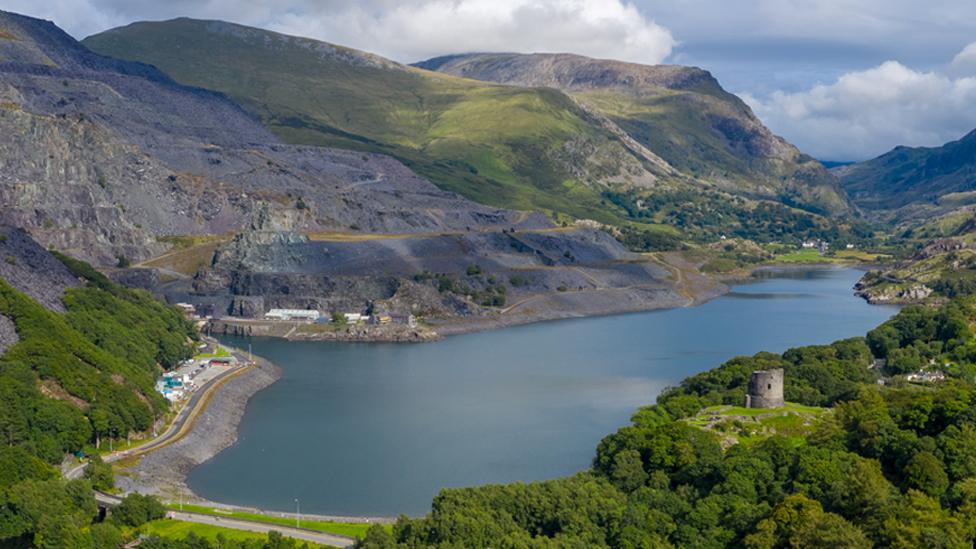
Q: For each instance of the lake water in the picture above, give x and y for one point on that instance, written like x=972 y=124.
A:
x=378 y=429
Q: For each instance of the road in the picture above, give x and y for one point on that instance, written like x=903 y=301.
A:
x=246 y=525
x=287 y=531
x=177 y=429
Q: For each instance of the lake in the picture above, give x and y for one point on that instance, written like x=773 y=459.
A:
x=377 y=429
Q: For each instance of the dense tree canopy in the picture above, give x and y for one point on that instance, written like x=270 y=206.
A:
x=71 y=379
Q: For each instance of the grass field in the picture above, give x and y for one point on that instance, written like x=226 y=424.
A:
x=353 y=530
x=178 y=530
x=739 y=425
x=809 y=255
x=220 y=352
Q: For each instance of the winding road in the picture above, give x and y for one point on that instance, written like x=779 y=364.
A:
x=180 y=426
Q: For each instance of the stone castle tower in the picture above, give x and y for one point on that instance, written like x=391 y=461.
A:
x=765 y=389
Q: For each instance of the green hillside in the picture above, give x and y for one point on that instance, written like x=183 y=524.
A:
x=680 y=114
x=524 y=147
x=70 y=380
x=916 y=180
x=499 y=145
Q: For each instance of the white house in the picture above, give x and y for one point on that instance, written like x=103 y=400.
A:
x=292 y=314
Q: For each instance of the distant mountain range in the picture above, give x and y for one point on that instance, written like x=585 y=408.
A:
x=555 y=137
x=924 y=179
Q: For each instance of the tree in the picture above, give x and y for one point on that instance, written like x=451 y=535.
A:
x=924 y=472
x=100 y=474
x=802 y=522
x=957 y=447
x=628 y=471
x=137 y=509
x=919 y=521
x=376 y=538
x=100 y=424
x=105 y=536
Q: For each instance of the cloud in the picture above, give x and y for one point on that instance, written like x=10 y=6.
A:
x=404 y=30
x=866 y=113
x=420 y=29
x=964 y=63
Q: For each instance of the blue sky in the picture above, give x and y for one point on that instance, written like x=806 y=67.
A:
x=842 y=79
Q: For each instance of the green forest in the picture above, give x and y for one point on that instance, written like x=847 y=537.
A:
x=71 y=380
x=887 y=465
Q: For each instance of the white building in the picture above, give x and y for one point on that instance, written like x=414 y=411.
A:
x=926 y=377
x=354 y=318
x=292 y=314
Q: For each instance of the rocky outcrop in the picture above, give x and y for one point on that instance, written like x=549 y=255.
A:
x=28 y=267
x=102 y=157
x=893 y=294
x=448 y=276
x=8 y=334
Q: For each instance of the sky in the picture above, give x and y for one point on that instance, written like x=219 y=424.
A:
x=841 y=79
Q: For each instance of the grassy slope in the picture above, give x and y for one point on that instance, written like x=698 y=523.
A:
x=680 y=126
x=750 y=425
x=494 y=144
x=179 y=530
x=353 y=530
x=905 y=175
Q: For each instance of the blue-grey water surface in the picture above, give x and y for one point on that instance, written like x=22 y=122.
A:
x=378 y=429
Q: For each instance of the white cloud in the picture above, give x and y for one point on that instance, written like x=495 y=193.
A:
x=866 y=113
x=425 y=28
x=404 y=30
x=964 y=63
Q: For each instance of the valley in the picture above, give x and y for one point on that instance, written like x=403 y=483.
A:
x=565 y=239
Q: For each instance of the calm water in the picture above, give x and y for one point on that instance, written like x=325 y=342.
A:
x=377 y=429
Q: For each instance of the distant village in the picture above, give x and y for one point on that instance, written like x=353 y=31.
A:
x=820 y=245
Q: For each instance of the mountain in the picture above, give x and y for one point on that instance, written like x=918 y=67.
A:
x=681 y=114
x=499 y=145
x=926 y=178
x=526 y=147
x=906 y=175
x=106 y=159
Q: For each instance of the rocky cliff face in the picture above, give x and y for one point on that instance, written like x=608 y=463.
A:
x=105 y=156
x=572 y=72
x=33 y=270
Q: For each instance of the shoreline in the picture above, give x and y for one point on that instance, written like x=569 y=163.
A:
x=164 y=472
x=539 y=308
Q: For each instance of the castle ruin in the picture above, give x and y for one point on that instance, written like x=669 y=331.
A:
x=765 y=389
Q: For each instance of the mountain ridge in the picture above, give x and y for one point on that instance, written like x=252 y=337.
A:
x=907 y=176
x=499 y=144
x=652 y=103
